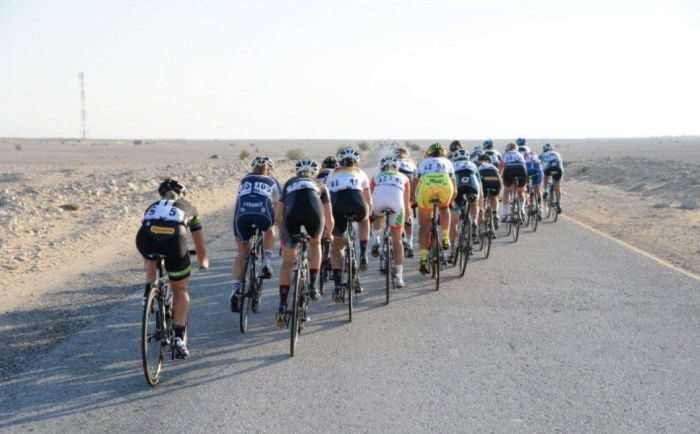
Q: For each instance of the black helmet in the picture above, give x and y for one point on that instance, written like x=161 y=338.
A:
x=455 y=145
x=485 y=157
x=171 y=185
x=330 y=162
x=521 y=142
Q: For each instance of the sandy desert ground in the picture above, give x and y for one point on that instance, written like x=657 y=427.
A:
x=69 y=211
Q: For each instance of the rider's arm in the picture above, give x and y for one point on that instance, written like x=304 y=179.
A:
x=199 y=247
x=407 y=200
x=327 y=212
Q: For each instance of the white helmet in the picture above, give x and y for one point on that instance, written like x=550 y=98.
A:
x=547 y=147
x=389 y=163
x=460 y=154
x=348 y=153
x=306 y=166
x=262 y=161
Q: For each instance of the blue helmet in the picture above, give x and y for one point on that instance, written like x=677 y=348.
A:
x=520 y=142
x=488 y=144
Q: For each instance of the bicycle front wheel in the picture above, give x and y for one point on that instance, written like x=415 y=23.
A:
x=153 y=336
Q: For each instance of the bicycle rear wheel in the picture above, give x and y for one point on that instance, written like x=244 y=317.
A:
x=247 y=298
x=350 y=286
x=435 y=258
x=153 y=336
x=515 y=216
x=465 y=240
x=556 y=206
x=387 y=267
x=294 y=323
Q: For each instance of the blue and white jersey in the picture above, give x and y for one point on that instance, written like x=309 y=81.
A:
x=464 y=166
x=533 y=163
x=466 y=173
x=256 y=195
x=513 y=158
x=551 y=160
x=495 y=156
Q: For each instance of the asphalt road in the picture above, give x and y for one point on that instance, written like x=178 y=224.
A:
x=565 y=331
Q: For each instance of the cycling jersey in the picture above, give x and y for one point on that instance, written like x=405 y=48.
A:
x=407 y=167
x=347 y=178
x=495 y=156
x=553 y=164
x=435 y=181
x=467 y=179
x=388 y=189
x=303 y=200
x=323 y=174
x=534 y=169
x=513 y=158
x=254 y=207
x=474 y=156
x=162 y=232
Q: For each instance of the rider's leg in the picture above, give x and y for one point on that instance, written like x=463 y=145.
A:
x=424 y=215
x=288 y=256
x=363 y=234
x=445 y=223
x=150 y=268
x=546 y=182
x=268 y=246
x=181 y=302
x=337 y=258
x=314 y=263
x=239 y=262
x=396 y=232
x=377 y=226
x=454 y=221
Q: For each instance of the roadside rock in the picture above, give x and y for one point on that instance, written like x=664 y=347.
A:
x=661 y=205
x=69 y=207
x=689 y=204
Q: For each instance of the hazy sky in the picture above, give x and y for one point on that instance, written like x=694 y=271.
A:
x=341 y=69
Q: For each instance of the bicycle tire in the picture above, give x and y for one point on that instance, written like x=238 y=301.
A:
x=387 y=267
x=245 y=291
x=293 y=324
x=152 y=310
x=435 y=257
x=349 y=254
x=556 y=209
x=465 y=239
x=536 y=216
x=490 y=234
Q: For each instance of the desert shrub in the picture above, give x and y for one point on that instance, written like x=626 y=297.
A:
x=414 y=147
x=364 y=146
x=295 y=154
x=244 y=155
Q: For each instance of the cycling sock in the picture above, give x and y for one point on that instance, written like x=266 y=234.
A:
x=363 y=247
x=267 y=254
x=445 y=234
x=179 y=331
x=423 y=254
x=312 y=277
x=284 y=291
x=376 y=238
x=236 y=284
x=337 y=277
x=398 y=270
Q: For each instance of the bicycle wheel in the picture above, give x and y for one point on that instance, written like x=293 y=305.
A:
x=536 y=213
x=294 y=323
x=387 y=266
x=349 y=266
x=556 y=206
x=464 y=246
x=515 y=217
x=435 y=260
x=152 y=336
x=248 y=294
x=490 y=234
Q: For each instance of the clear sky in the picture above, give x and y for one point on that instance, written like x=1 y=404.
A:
x=350 y=69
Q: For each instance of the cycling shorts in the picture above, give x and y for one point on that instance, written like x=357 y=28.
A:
x=306 y=212
x=512 y=172
x=471 y=191
x=244 y=225
x=434 y=185
x=555 y=172
x=150 y=242
x=347 y=202
x=383 y=200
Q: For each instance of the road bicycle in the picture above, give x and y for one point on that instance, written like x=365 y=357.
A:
x=534 y=207
x=157 y=328
x=487 y=228
x=552 y=207
x=326 y=271
x=463 y=248
x=297 y=316
x=386 y=255
x=516 y=213
x=252 y=281
x=435 y=255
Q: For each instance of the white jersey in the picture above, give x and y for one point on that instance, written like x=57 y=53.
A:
x=347 y=179
x=513 y=158
x=464 y=165
x=407 y=167
x=388 y=191
x=166 y=211
x=551 y=159
x=436 y=165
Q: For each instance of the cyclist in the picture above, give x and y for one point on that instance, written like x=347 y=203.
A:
x=328 y=165
x=304 y=202
x=476 y=154
x=257 y=193
x=436 y=179
x=521 y=142
x=512 y=166
x=534 y=173
x=408 y=167
x=468 y=184
x=391 y=190
x=491 y=184
x=350 y=195
x=553 y=166
x=493 y=154
x=163 y=229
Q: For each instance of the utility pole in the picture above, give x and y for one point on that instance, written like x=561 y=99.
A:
x=81 y=77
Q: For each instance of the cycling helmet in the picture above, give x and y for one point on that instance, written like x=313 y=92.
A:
x=262 y=161
x=436 y=150
x=521 y=142
x=310 y=167
x=455 y=145
x=330 y=162
x=170 y=185
x=348 y=154
x=459 y=154
x=488 y=144
x=400 y=153
x=389 y=163
x=511 y=147
x=546 y=147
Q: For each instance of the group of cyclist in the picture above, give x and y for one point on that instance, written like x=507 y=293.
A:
x=321 y=200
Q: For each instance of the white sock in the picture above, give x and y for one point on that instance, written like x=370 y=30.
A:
x=398 y=269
